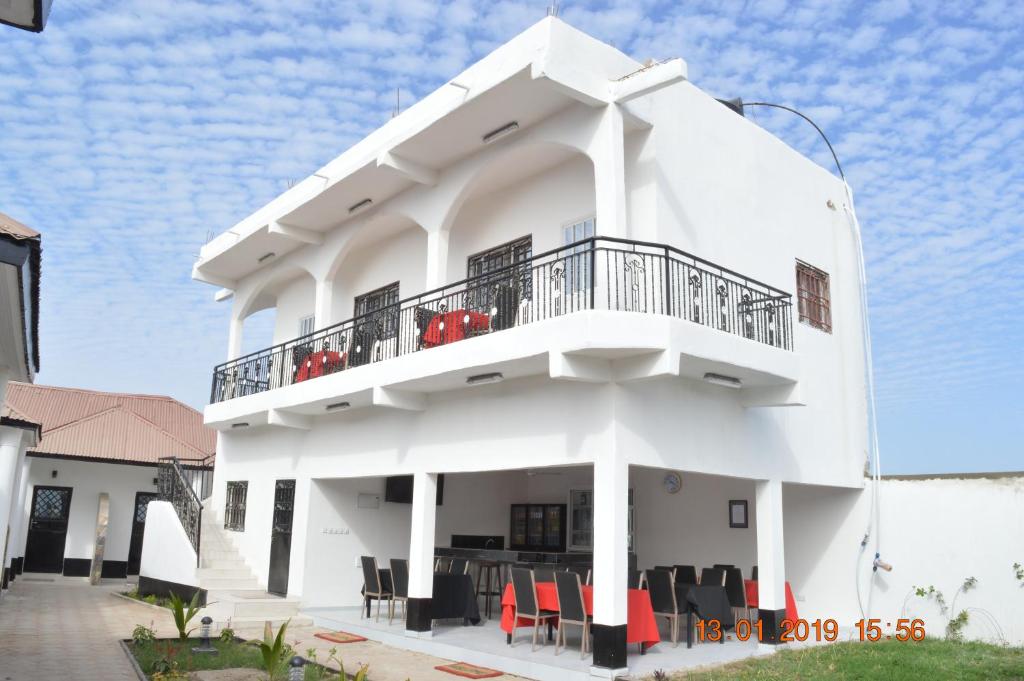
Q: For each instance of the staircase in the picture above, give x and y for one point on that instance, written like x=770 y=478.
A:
x=233 y=592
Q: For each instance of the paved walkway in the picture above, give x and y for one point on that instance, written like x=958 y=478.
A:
x=66 y=629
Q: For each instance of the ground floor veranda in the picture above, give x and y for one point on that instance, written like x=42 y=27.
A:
x=631 y=518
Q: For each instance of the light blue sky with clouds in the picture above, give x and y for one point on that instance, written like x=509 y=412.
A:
x=131 y=130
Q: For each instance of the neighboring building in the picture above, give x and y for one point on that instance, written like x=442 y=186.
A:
x=94 y=443
x=621 y=321
x=20 y=257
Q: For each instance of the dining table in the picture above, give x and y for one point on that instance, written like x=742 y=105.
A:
x=752 y=599
x=641 y=627
x=448 y=327
x=320 y=363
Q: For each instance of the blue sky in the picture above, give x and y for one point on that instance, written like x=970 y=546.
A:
x=130 y=131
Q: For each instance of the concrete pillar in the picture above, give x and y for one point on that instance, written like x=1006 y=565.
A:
x=771 y=559
x=421 y=553
x=323 y=305
x=608 y=154
x=437 y=258
x=10 y=451
x=235 y=337
x=611 y=563
x=19 y=517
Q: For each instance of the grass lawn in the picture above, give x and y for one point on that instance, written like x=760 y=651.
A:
x=231 y=655
x=931 y=660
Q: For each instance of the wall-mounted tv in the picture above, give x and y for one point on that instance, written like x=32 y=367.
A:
x=398 y=489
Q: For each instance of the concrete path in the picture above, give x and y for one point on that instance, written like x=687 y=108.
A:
x=66 y=629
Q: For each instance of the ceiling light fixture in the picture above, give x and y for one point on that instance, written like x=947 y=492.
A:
x=479 y=379
x=497 y=134
x=243 y=424
x=358 y=206
x=338 y=405
x=724 y=381
x=266 y=256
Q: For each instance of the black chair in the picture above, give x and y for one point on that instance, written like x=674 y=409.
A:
x=505 y=306
x=458 y=566
x=362 y=345
x=736 y=591
x=686 y=574
x=443 y=565
x=636 y=579
x=571 y=609
x=543 y=575
x=667 y=568
x=712 y=577
x=423 y=318
x=663 y=599
x=373 y=589
x=525 y=590
x=400 y=585
x=753 y=573
x=722 y=566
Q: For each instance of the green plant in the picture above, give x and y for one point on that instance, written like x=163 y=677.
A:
x=183 y=616
x=151 y=599
x=227 y=634
x=143 y=635
x=274 y=653
x=955 y=623
x=166 y=665
x=1018 y=572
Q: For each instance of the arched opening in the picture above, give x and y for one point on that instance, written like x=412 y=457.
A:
x=281 y=310
x=534 y=198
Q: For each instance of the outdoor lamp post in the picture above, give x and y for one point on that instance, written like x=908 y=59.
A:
x=297 y=671
x=204 y=637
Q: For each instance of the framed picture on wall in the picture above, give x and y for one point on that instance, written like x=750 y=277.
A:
x=738 y=513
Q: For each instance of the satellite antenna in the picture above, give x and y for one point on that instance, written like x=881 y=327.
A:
x=398 y=102
x=553 y=9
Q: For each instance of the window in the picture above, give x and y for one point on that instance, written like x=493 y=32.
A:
x=492 y=271
x=305 y=326
x=581 y=520
x=234 y=507
x=577 y=266
x=380 y=309
x=813 y=297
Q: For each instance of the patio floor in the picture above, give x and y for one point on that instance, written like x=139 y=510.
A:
x=484 y=645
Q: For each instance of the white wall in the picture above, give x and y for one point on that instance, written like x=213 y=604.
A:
x=12 y=455
x=294 y=301
x=934 y=532
x=167 y=553
x=87 y=480
x=399 y=257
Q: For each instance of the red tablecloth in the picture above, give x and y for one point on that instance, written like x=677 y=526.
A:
x=314 y=365
x=751 y=585
x=452 y=326
x=640 y=624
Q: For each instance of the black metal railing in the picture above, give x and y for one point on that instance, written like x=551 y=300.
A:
x=599 y=273
x=177 y=485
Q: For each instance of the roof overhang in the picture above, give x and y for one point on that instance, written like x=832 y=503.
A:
x=19 y=306
x=530 y=78
x=30 y=15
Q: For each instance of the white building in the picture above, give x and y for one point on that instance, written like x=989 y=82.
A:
x=643 y=285
x=92 y=474
x=20 y=257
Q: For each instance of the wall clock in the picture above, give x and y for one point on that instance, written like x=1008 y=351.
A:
x=673 y=482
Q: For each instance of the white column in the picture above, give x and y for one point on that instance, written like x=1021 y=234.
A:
x=235 y=337
x=437 y=258
x=771 y=560
x=10 y=446
x=322 y=308
x=608 y=155
x=19 y=517
x=421 y=549
x=611 y=539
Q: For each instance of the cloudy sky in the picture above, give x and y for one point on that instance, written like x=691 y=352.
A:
x=130 y=131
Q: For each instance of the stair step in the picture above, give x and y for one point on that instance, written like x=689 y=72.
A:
x=253 y=626
x=215 y=572
x=232 y=584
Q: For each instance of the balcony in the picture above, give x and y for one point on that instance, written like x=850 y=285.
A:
x=596 y=274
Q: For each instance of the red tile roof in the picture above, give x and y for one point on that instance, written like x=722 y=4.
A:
x=116 y=426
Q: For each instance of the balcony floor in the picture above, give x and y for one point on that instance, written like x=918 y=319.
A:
x=484 y=645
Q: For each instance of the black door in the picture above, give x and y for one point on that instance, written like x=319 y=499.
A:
x=142 y=500
x=281 y=537
x=47 y=529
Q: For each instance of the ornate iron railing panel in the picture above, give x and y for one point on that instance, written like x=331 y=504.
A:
x=599 y=273
x=176 y=485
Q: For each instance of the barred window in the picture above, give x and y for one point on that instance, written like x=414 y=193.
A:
x=234 y=509
x=813 y=297
x=379 y=308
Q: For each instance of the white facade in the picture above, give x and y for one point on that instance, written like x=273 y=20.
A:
x=609 y=397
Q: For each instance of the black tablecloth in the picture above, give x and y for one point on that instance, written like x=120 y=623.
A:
x=454 y=598
x=705 y=603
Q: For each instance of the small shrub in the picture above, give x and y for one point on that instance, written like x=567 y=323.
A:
x=143 y=635
x=151 y=599
x=183 y=615
x=275 y=653
x=227 y=634
x=1018 y=572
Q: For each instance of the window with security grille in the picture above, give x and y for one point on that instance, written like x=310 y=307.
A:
x=503 y=267
x=812 y=288
x=379 y=309
x=234 y=507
